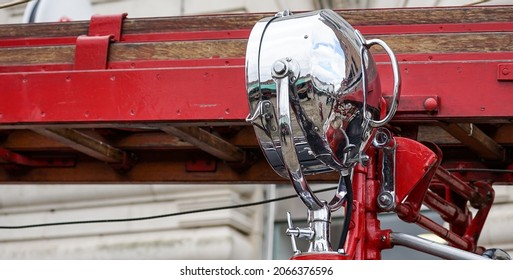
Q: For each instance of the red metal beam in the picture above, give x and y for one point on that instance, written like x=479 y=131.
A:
x=218 y=93
x=467 y=89
x=148 y=95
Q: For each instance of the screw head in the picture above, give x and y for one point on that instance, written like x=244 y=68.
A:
x=385 y=201
x=279 y=68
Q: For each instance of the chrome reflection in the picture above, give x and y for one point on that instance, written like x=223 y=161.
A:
x=315 y=101
x=330 y=122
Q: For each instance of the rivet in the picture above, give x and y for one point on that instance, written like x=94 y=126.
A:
x=430 y=104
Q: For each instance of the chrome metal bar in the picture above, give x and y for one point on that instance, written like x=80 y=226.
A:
x=385 y=141
x=281 y=72
x=288 y=150
x=397 y=81
x=433 y=248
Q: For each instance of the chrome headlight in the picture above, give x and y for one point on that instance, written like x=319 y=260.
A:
x=333 y=86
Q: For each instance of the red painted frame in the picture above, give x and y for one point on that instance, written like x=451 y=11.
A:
x=427 y=184
x=35 y=94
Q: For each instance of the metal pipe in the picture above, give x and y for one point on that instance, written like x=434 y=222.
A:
x=433 y=248
x=446 y=209
x=435 y=228
x=454 y=183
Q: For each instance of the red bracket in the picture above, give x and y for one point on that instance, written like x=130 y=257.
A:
x=14 y=161
x=101 y=25
x=92 y=51
x=201 y=165
x=417 y=104
x=505 y=72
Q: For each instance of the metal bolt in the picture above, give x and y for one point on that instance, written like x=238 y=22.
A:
x=364 y=159
x=283 y=13
x=505 y=71
x=279 y=68
x=385 y=199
